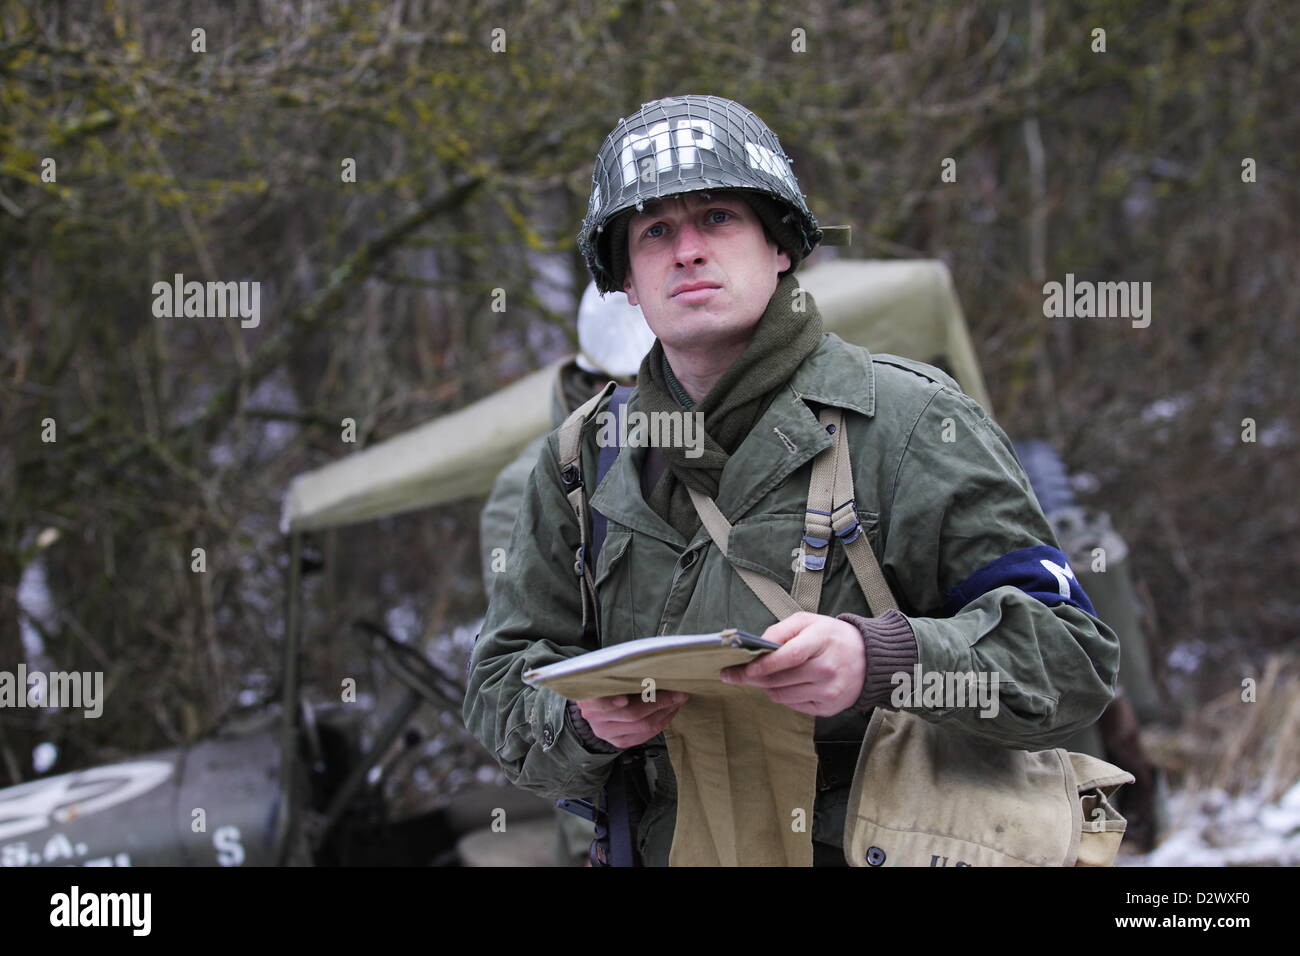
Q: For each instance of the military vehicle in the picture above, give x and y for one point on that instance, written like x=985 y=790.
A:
x=295 y=785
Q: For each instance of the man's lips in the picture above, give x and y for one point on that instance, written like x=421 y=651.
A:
x=695 y=291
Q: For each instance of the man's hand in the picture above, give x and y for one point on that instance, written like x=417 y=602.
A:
x=626 y=720
x=819 y=669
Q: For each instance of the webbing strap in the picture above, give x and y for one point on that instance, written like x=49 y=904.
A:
x=571 y=431
x=621 y=849
x=817 y=528
x=845 y=525
x=768 y=591
x=832 y=481
x=570 y=457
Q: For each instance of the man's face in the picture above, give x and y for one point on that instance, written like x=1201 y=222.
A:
x=717 y=243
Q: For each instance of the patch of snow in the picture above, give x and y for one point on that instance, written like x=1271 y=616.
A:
x=1164 y=409
x=1084 y=482
x=34 y=604
x=43 y=756
x=402 y=621
x=1186 y=656
x=1274 y=433
x=1214 y=829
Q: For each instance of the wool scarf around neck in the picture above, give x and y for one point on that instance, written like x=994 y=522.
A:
x=783 y=338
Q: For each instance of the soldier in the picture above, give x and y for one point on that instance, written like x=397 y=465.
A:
x=696 y=215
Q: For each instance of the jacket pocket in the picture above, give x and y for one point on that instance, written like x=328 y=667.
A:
x=765 y=544
x=618 y=618
x=768 y=544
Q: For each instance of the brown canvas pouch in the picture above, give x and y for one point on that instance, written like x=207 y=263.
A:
x=925 y=795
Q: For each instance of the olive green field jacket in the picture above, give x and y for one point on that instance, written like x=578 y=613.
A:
x=946 y=507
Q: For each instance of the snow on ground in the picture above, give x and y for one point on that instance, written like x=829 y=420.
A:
x=35 y=604
x=1213 y=829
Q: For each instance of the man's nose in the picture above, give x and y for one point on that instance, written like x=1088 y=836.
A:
x=690 y=245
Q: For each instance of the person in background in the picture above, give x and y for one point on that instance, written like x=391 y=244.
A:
x=613 y=338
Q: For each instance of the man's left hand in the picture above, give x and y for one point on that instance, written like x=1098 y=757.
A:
x=819 y=669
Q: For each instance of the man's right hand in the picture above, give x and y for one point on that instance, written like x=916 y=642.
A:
x=625 y=720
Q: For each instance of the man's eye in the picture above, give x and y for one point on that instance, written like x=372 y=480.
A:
x=714 y=212
x=650 y=233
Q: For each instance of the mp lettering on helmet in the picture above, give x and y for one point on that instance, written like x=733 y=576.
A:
x=685 y=152
x=760 y=157
x=681 y=144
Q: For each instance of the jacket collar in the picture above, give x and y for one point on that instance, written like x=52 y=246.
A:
x=839 y=374
x=785 y=438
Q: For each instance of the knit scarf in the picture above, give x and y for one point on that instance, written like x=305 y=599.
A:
x=783 y=338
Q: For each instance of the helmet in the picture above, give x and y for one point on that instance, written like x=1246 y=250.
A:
x=684 y=144
x=612 y=334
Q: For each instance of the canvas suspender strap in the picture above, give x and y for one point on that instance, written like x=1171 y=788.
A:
x=845 y=524
x=832 y=481
x=768 y=591
x=570 y=457
x=817 y=529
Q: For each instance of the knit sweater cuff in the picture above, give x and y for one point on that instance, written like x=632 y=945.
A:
x=585 y=734
x=891 y=647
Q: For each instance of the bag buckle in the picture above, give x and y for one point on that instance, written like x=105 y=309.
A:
x=846 y=526
x=817 y=535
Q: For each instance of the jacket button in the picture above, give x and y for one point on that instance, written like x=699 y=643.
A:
x=548 y=736
x=688 y=559
x=875 y=856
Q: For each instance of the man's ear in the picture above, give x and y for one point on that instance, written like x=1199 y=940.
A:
x=783 y=257
x=629 y=289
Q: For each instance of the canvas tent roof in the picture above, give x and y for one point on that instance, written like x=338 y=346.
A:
x=908 y=308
